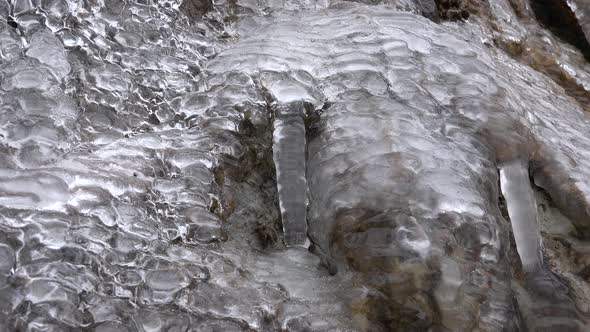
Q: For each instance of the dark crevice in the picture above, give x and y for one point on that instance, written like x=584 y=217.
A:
x=558 y=17
x=253 y=172
x=196 y=8
x=258 y=169
x=452 y=10
x=11 y=22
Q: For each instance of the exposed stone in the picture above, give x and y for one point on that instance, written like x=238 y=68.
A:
x=455 y=10
x=429 y=9
x=563 y=19
x=196 y=8
x=516 y=31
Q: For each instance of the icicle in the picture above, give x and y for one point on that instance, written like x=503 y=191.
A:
x=522 y=209
x=289 y=158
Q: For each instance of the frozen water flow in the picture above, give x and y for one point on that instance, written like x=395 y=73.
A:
x=137 y=187
x=522 y=209
x=289 y=159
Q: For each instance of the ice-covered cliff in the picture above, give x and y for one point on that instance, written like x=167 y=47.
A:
x=296 y=165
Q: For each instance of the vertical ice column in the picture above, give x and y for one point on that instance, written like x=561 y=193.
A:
x=289 y=158
x=522 y=209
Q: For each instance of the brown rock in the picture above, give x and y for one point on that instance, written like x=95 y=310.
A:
x=456 y=10
x=568 y=22
x=196 y=8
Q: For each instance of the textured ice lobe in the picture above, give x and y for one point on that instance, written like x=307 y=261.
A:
x=289 y=159
x=522 y=209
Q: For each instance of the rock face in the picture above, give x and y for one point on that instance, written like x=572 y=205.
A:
x=452 y=10
x=567 y=19
x=570 y=21
x=161 y=163
x=582 y=11
x=196 y=8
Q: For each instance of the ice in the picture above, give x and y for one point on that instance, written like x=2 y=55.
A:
x=522 y=209
x=27 y=75
x=289 y=159
x=148 y=161
x=48 y=49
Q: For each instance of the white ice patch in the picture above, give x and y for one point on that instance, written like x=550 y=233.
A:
x=522 y=209
x=289 y=159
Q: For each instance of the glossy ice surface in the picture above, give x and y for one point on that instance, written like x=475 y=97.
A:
x=160 y=172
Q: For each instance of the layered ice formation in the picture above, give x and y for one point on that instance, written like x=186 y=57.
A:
x=161 y=164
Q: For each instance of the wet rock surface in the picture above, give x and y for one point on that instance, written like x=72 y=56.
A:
x=163 y=162
x=452 y=10
x=568 y=20
x=196 y=8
